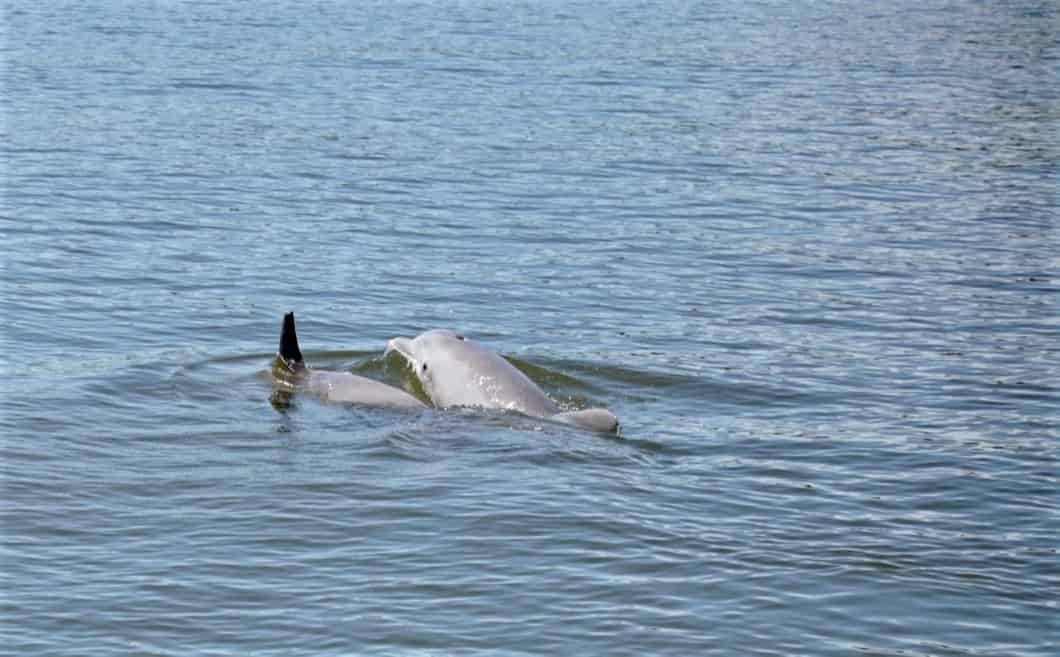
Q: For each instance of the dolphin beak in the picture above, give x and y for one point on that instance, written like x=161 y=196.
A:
x=401 y=345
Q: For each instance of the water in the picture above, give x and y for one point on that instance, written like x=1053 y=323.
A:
x=808 y=253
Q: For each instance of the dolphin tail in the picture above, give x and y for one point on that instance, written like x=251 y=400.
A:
x=593 y=419
x=289 y=353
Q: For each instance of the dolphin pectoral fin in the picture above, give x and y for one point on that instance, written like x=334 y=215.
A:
x=288 y=367
x=289 y=351
x=593 y=419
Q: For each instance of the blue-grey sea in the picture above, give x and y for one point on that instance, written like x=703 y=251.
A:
x=808 y=252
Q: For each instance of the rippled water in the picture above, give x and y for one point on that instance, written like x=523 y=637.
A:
x=808 y=253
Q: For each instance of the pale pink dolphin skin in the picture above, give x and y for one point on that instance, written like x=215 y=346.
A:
x=456 y=371
x=341 y=387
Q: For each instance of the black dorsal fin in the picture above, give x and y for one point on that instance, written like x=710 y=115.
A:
x=289 y=350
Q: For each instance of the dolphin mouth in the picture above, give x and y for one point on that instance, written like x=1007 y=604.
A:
x=404 y=347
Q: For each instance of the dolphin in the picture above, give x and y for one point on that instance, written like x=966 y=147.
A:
x=290 y=369
x=456 y=371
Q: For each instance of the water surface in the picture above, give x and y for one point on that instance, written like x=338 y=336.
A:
x=808 y=254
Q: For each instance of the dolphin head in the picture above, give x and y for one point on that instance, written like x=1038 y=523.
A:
x=456 y=371
x=431 y=356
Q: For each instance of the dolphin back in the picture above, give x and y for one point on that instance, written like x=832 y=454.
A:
x=593 y=419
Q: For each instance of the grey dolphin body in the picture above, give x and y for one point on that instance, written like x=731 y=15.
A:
x=291 y=369
x=456 y=371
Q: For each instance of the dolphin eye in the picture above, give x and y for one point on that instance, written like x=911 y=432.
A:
x=424 y=367
x=459 y=337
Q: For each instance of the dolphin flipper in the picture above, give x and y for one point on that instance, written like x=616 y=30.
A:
x=593 y=419
x=289 y=351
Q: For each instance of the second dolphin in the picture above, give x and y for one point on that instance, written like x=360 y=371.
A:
x=456 y=371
